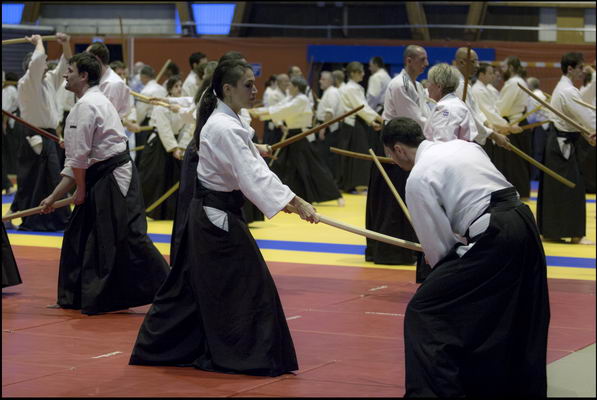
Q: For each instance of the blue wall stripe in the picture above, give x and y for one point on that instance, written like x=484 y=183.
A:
x=312 y=247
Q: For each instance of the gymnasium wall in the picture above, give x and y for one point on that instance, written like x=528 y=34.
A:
x=276 y=54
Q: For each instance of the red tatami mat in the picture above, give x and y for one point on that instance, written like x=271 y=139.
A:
x=346 y=324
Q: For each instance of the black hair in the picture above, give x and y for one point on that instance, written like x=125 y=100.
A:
x=195 y=58
x=402 y=130
x=12 y=76
x=300 y=83
x=171 y=82
x=269 y=81
x=101 y=51
x=117 y=65
x=483 y=68
x=378 y=61
x=571 y=60
x=231 y=56
x=86 y=62
x=227 y=72
x=173 y=69
x=147 y=71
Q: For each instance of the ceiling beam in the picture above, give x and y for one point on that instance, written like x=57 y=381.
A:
x=31 y=12
x=476 y=16
x=416 y=16
x=241 y=12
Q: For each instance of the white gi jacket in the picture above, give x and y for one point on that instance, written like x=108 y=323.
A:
x=403 y=99
x=173 y=131
x=190 y=85
x=451 y=119
x=449 y=187
x=513 y=100
x=116 y=90
x=353 y=95
x=562 y=100
x=152 y=89
x=93 y=133
x=229 y=160
x=332 y=103
x=376 y=88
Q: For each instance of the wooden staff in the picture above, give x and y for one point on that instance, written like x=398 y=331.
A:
x=37 y=210
x=431 y=100
x=578 y=126
x=11 y=82
x=362 y=156
x=34 y=128
x=467 y=70
x=138 y=148
x=534 y=125
x=163 y=198
x=391 y=186
x=157 y=78
x=542 y=167
x=147 y=100
x=284 y=143
x=146 y=128
x=23 y=40
x=534 y=110
x=277 y=152
x=365 y=232
x=582 y=103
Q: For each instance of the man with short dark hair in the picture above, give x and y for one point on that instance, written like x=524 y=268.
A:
x=378 y=83
x=561 y=211
x=111 y=84
x=192 y=82
x=107 y=262
x=477 y=326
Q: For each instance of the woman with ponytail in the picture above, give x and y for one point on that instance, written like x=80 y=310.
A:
x=219 y=309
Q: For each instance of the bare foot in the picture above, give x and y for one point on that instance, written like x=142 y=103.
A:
x=341 y=202
x=53 y=306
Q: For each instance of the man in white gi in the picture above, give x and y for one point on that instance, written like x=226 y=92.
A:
x=192 y=82
x=107 y=263
x=378 y=83
x=111 y=84
x=561 y=211
x=39 y=162
x=329 y=107
x=405 y=97
x=477 y=326
x=486 y=128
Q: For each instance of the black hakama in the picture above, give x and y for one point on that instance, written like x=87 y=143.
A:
x=354 y=172
x=141 y=139
x=588 y=168
x=515 y=169
x=477 y=327
x=188 y=176
x=219 y=309
x=384 y=215
x=539 y=140
x=561 y=211
x=108 y=262
x=322 y=148
x=37 y=177
x=299 y=167
x=10 y=271
x=158 y=172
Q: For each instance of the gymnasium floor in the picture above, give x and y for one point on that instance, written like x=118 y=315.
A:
x=345 y=316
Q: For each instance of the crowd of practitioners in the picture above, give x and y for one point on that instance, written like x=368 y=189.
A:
x=215 y=305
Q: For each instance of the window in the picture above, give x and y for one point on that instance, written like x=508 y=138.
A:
x=12 y=13
x=213 y=19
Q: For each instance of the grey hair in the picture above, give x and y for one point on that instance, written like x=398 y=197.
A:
x=300 y=83
x=445 y=76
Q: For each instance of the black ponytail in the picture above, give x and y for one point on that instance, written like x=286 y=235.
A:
x=227 y=72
